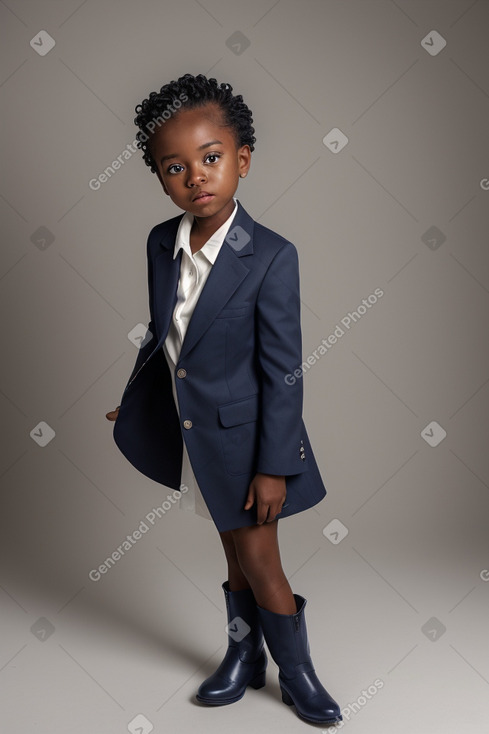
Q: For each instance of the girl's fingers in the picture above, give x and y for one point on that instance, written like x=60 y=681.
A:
x=112 y=415
x=250 y=499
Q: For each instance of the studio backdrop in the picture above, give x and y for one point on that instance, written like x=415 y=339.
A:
x=371 y=119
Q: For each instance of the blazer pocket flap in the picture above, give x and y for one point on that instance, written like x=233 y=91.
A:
x=239 y=411
x=226 y=313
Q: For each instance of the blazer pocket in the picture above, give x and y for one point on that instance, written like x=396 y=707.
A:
x=233 y=312
x=239 y=411
x=239 y=434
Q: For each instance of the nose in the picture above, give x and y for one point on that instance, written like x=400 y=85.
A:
x=196 y=176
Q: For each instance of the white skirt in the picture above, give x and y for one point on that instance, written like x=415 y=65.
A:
x=192 y=499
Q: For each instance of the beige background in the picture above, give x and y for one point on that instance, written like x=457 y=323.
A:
x=79 y=655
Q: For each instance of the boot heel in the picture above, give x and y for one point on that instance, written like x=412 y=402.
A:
x=259 y=681
x=286 y=698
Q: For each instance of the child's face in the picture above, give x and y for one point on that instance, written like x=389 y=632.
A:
x=195 y=153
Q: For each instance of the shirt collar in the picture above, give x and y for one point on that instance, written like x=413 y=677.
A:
x=213 y=244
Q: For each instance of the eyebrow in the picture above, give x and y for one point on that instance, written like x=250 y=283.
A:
x=201 y=147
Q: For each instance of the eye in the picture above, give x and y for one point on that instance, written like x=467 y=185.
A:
x=174 y=165
x=213 y=155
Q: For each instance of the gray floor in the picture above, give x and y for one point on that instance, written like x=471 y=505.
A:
x=139 y=641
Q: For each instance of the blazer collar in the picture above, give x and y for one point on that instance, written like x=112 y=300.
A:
x=239 y=236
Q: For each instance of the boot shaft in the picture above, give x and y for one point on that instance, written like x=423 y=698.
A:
x=244 y=626
x=286 y=638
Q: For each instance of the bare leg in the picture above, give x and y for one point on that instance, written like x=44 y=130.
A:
x=258 y=557
x=237 y=579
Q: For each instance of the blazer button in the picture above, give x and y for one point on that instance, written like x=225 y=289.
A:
x=187 y=424
x=181 y=372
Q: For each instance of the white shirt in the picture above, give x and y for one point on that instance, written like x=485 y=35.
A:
x=194 y=271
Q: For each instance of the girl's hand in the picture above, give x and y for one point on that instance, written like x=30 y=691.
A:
x=112 y=415
x=269 y=491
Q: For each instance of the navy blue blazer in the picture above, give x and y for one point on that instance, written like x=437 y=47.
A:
x=240 y=411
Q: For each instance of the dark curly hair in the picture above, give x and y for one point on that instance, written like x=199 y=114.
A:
x=190 y=92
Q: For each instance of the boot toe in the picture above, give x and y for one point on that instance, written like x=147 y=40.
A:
x=321 y=709
x=315 y=709
x=219 y=690
x=311 y=699
x=228 y=684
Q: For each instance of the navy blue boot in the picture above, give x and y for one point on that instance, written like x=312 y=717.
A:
x=286 y=638
x=245 y=661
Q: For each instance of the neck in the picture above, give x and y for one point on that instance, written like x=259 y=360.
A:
x=206 y=226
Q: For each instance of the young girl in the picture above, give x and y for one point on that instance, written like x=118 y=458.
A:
x=214 y=403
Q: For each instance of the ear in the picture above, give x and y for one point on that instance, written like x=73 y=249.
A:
x=244 y=160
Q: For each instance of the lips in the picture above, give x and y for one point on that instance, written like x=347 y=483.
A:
x=203 y=195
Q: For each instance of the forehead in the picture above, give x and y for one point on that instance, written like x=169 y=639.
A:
x=190 y=128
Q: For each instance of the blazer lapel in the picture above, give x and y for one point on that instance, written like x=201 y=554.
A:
x=166 y=272
x=224 y=278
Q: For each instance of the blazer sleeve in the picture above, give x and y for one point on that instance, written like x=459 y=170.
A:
x=279 y=352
